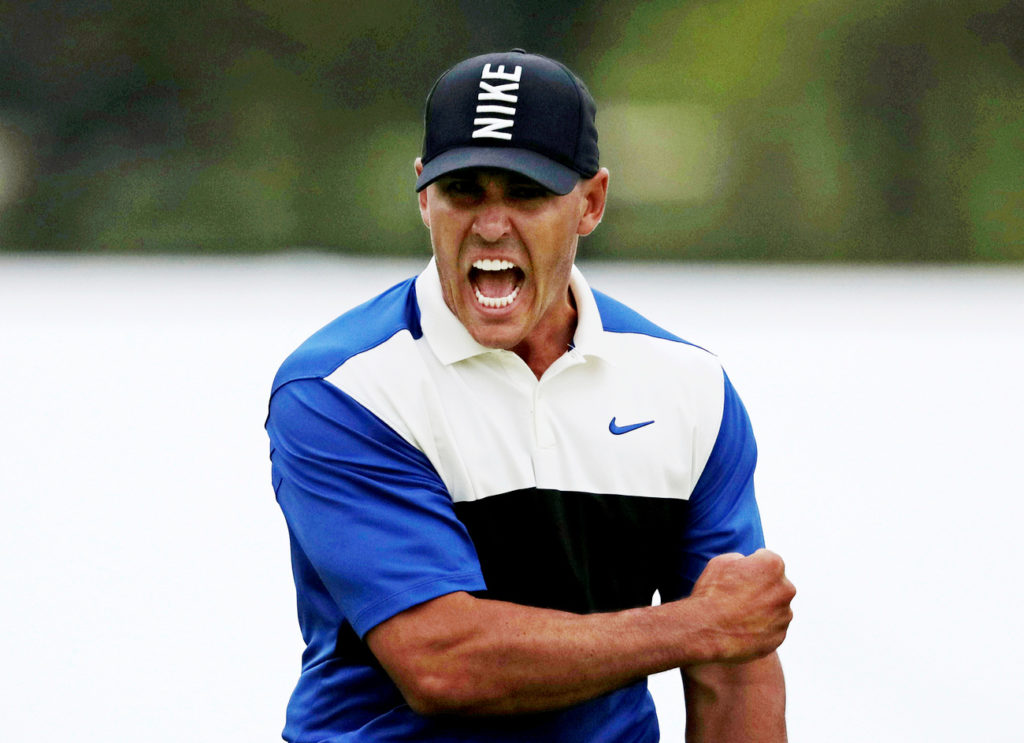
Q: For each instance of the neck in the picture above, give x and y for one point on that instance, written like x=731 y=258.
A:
x=550 y=341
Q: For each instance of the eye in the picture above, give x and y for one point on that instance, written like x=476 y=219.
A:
x=459 y=187
x=528 y=191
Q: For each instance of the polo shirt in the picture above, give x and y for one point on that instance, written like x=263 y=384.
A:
x=410 y=462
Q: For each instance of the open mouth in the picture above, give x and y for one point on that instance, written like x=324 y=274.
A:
x=495 y=282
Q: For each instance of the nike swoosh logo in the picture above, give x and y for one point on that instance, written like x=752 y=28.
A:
x=619 y=430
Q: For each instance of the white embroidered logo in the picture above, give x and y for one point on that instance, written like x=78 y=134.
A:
x=502 y=93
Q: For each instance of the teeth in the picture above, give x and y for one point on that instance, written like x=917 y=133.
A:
x=497 y=301
x=488 y=265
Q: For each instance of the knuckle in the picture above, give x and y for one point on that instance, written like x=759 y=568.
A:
x=726 y=557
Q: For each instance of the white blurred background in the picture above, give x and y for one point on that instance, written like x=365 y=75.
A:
x=146 y=590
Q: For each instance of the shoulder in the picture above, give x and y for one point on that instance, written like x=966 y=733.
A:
x=634 y=340
x=359 y=330
x=616 y=317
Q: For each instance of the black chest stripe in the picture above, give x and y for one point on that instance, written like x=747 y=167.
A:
x=578 y=552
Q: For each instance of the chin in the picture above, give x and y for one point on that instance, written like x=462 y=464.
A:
x=496 y=336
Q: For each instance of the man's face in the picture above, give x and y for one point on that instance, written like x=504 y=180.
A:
x=504 y=247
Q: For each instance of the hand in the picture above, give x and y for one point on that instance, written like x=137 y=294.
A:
x=746 y=604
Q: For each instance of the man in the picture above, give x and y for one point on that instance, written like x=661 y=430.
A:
x=488 y=470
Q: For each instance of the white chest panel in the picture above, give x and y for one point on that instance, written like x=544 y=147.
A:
x=489 y=426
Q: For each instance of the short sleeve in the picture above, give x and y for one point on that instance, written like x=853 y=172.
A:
x=722 y=515
x=366 y=508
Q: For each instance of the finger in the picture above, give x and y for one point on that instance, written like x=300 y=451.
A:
x=770 y=559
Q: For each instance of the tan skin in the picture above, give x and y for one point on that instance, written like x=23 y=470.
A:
x=458 y=654
x=494 y=214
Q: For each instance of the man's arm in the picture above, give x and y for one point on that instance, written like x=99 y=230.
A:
x=743 y=703
x=735 y=703
x=461 y=655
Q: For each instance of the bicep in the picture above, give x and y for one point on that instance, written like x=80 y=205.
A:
x=722 y=514
x=410 y=642
x=744 y=702
x=763 y=673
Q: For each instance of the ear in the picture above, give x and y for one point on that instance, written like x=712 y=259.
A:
x=424 y=214
x=594 y=192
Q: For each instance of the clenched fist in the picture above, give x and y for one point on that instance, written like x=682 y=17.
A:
x=745 y=603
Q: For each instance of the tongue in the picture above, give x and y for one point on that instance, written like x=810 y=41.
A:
x=495 y=283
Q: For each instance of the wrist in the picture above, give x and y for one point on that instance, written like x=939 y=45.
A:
x=698 y=640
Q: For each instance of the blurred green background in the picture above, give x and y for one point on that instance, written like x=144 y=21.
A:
x=777 y=130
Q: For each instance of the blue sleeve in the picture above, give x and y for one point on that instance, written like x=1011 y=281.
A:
x=722 y=515
x=367 y=509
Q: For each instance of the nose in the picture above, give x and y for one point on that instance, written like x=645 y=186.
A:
x=492 y=221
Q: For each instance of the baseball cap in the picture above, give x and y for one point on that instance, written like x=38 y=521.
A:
x=514 y=111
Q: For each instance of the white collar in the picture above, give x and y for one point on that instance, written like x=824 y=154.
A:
x=451 y=342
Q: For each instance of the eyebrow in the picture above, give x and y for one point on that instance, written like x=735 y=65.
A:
x=475 y=177
x=475 y=173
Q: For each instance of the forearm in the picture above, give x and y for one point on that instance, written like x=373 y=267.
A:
x=458 y=654
x=502 y=658
x=743 y=703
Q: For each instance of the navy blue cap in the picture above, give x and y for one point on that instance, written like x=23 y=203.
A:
x=514 y=111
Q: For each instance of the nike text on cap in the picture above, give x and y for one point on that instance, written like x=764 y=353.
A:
x=514 y=111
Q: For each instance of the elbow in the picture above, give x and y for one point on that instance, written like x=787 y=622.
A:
x=430 y=697
x=437 y=693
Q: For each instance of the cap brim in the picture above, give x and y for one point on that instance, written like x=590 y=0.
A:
x=553 y=176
